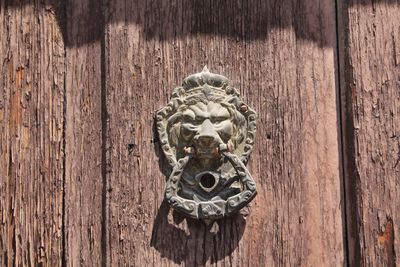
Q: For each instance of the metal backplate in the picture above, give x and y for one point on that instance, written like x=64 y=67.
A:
x=207 y=134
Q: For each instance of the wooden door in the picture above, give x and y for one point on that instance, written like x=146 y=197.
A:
x=80 y=160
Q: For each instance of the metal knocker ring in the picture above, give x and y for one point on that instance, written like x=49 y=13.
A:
x=216 y=207
x=207 y=134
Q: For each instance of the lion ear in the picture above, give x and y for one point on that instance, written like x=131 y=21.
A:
x=174 y=134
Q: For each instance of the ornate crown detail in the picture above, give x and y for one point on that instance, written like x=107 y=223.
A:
x=205 y=83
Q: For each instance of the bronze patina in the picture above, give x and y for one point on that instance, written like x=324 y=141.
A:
x=207 y=133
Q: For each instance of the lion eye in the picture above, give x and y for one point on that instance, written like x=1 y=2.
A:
x=218 y=120
x=188 y=119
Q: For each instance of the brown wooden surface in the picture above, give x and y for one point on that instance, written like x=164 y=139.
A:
x=281 y=56
x=371 y=92
x=80 y=166
x=31 y=135
x=83 y=179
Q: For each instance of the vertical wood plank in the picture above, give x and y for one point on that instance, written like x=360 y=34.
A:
x=370 y=85
x=83 y=192
x=31 y=132
x=281 y=56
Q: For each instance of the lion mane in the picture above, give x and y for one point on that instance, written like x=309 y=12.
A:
x=175 y=121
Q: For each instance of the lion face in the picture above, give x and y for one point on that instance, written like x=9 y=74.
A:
x=206 y=125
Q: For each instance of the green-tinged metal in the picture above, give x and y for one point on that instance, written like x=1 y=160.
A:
x=207 y=134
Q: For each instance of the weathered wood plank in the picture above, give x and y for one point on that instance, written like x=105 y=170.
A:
x=31 y=132
x=281 y=56
x=83 y=192
x=370 y=56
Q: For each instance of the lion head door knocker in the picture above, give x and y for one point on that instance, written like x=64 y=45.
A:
x=207 y=133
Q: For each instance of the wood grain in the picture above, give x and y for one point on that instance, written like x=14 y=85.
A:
x=370 y=52
x=81 y=172
x=84 y=184
x=281 y=56
x=31 y=135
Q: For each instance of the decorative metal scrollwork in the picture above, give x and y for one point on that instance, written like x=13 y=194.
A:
x=207 y=133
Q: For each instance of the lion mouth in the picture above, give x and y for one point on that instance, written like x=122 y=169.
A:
x=210 y=152
x=207 y=152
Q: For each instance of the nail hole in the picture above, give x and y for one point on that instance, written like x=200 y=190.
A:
x=131 y=147
x=207 y=180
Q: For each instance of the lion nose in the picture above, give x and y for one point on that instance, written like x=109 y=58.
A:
x=207 y=134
